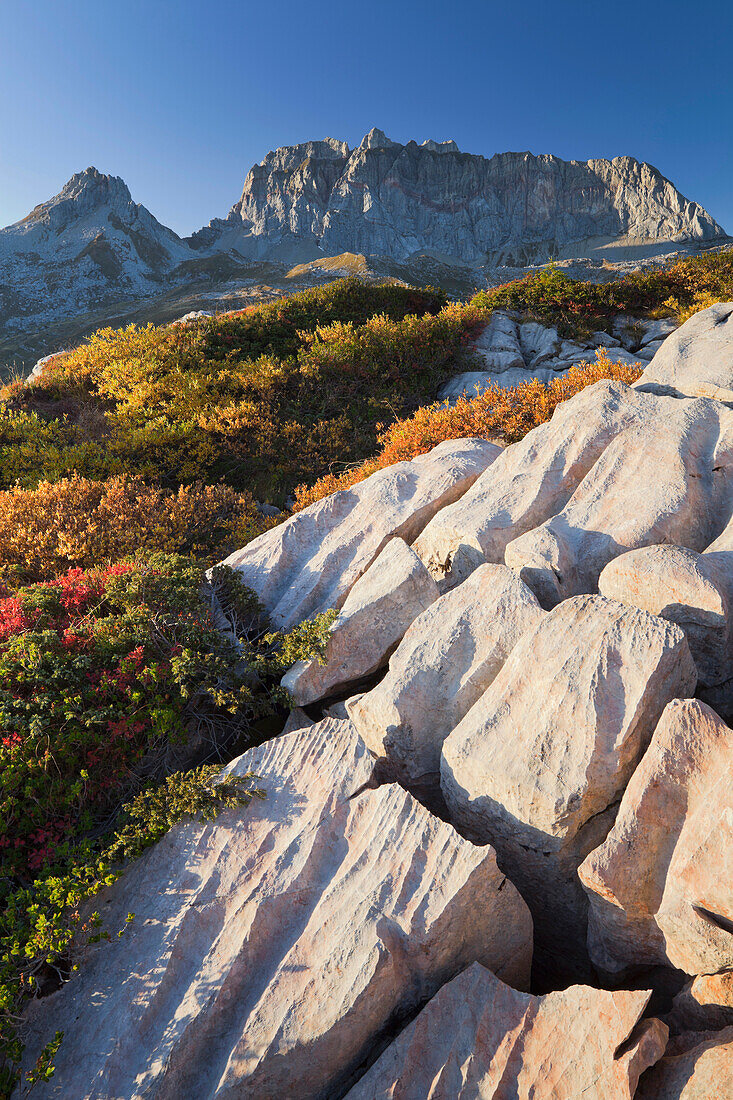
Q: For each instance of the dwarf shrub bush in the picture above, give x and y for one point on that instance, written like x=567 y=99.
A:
x=77 y=522
x=110 y=680
x=504 y=414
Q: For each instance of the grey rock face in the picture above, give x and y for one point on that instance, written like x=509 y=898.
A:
x=396 y=200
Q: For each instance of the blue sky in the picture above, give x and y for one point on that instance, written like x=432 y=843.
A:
x=181 y=98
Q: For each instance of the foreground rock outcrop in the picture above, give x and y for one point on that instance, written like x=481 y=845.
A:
x=667 y=480
x=534 y=479
x=447 y=659
x=703 y=1004
x=478 y=1038
x=661 y=885
x=274 y=948
x=697 y=1066
x=691 y=589
x=538 y=764
x=697 y=360
x=309 y=564
x=380 y=607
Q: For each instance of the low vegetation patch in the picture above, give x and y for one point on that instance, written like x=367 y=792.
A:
x=502 y=414
x=78 y=522
x=581 y=308
x=251 y=400
x=112 y=680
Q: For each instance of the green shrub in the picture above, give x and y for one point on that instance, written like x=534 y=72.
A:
x=111 y=680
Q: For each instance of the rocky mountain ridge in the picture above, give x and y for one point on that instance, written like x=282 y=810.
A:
x=420 y=213
x=390 y=199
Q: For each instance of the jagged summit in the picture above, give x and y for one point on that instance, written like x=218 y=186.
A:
x=88 y=246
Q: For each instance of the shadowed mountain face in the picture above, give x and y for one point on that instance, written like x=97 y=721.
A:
x=91 y=256
x=396 y=200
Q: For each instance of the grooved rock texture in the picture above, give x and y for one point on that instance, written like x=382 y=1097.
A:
x=385 y=600
x=661 y=884
x=309 y=563
x=669 y=480
x=534 y=479
x=392 y=199
x=697 y=359
x=448 y=657
x=696 y=1066
x=273 y=947
x=480 y=1040
x=690 y=589
x=539 y=762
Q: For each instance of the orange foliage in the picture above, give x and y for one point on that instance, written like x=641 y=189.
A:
x=79 y=522
x=503 y=414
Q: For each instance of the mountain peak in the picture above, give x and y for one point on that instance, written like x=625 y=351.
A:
x=377 y=139
x=85 y=192
x=440 y=146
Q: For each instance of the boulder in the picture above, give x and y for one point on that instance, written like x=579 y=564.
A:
x=297 y=720
x=620 y=355
x=661 y=884
x=534 y=479
x=697 y=359
x=498 y=346
x=446 y=660
x=646 y=353
x=572 y=352
x=473 y=383
x=603 y=340
x=668 y=480
x=657 y=331
x=479 y=1038
x=696 y=1066
x=690 y=589
x=704 y=1004
x=538 y=343
x=539 y=763
x=460 y=564
x=273 y=946
x=309 y=563
x=395 y=589
x=629 y=330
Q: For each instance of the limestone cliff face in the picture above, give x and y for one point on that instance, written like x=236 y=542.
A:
x=389 y=199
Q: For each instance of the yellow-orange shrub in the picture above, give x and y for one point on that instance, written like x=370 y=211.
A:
x=504 y=414
x=79 y=522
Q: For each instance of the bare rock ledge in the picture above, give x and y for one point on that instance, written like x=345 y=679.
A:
x=480 y=1040
x=273 y=948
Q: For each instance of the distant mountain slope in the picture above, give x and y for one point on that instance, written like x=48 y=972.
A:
x=91 y=256
x=87 y=246
x=396 y=200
